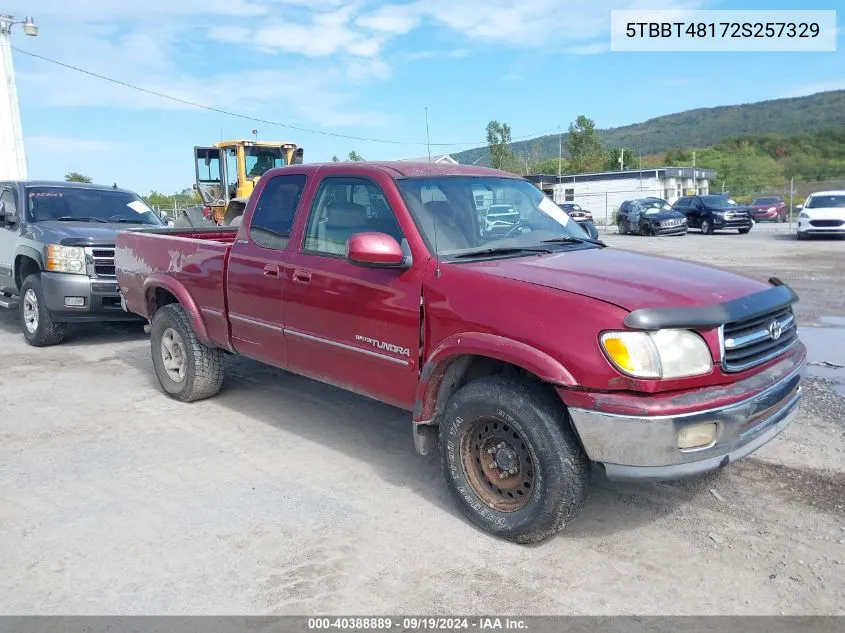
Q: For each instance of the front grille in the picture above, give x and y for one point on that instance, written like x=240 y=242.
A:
x=826 y=223
x=736 y=215
x=101 y=262
x=746 y=344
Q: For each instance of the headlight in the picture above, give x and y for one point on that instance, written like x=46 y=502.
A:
x=661 y=354
x=66 y=259
x=803 y=216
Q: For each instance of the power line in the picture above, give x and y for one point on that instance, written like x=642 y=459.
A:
x=252 y=118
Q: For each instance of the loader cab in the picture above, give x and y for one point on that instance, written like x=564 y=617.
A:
x=229 y=170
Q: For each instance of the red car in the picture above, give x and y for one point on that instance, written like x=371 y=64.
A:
x=771 y=208
x=522 y=356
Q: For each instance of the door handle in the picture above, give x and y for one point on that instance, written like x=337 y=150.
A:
x=271 y=270
x=302 y=276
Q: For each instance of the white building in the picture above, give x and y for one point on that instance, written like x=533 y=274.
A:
x=602 y=193
x=442 y=159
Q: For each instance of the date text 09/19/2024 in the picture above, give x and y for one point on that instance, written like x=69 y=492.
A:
x=410 y=623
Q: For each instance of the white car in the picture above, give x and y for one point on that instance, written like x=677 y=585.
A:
x=823 y=213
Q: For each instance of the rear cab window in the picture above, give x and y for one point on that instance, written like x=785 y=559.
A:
x=275 y=211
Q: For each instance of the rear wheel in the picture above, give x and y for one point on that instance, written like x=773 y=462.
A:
x=186 y=369
x=511 y=459
x=39 y=328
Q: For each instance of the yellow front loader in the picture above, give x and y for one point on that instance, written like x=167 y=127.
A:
x=226 y=173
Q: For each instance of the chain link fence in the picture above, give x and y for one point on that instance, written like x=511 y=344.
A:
x=604 y=204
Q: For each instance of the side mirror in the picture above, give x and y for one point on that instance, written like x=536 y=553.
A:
x=591 y=230
x=376 y=250
x=298 y=156
x=797 y=206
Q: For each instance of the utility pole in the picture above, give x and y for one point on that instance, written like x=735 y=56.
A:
x=694 y=188
x=12 y=155
x=559 y=152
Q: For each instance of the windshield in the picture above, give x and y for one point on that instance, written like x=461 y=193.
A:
x=655 y=205
x=87 y=205
x=569 y=207
x=719 y=201
x=765 y=201
x=460 y=215
x=825 y=202
x=260 y=159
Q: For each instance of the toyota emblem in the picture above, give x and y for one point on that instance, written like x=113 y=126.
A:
x=775 y=330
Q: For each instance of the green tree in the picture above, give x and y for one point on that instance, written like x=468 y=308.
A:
x=585 y=150
x=335 y=159
x=75 y=176
x=498 y=144
x=355 y=156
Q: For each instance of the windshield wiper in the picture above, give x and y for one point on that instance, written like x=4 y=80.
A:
x=71 y=218
x=129 y=221
x=571 y=239
x=502 y=250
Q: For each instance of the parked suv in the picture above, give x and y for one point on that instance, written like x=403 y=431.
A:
x=650 y=216
x=769 y=208
x=823 y=213
x=714 y=213
x=57 y=253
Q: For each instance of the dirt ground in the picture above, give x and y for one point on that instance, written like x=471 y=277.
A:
x=285 y=496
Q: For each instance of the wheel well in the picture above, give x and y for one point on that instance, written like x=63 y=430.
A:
x=24 y=267
x=159 y=298
x=468 y=368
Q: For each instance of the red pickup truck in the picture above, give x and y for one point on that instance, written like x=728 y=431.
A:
x=525 y=354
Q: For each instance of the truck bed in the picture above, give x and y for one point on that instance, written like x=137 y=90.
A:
x=189 y=263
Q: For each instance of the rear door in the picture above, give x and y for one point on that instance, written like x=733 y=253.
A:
x=256 y=282
x=8 y=235
x=355 y=327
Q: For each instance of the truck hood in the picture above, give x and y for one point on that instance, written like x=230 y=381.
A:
x=79 y=233
x=624 y=278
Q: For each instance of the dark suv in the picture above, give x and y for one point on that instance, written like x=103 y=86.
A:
x=57 y=253
x=714 y=213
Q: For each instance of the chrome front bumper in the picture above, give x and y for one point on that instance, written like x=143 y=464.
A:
x=633 y=447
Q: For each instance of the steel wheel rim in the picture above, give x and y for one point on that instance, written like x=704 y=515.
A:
x=490 y=448
x=173 y=355
x=30 y=311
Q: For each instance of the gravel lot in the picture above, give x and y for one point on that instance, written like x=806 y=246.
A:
x=286 y=496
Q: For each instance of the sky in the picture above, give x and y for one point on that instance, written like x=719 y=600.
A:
x=356 y=68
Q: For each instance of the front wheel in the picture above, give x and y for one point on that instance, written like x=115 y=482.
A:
x=511 y=459
x=744 y=231
x=39 y=328
x=186 y=369
x=707 y=227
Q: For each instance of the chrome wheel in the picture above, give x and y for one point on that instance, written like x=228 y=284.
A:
x=30 y=311
x=173 y=355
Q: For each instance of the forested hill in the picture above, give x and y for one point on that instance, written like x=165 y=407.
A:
x=701 y=127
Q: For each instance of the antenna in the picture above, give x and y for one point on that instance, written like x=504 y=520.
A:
x=433 y=215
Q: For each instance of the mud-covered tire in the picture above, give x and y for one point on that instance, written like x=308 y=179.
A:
x=43 y=331
x=202 y=365
x=539 y=418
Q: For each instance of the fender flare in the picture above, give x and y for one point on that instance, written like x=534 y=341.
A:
x=30 y=253
x=493 y=346
x=160 y=280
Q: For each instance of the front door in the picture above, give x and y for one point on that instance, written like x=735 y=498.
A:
x=8 y=236
x=358 y=328
x=256 y=282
